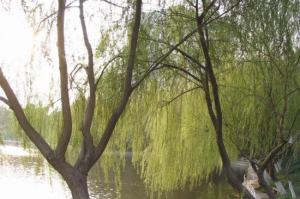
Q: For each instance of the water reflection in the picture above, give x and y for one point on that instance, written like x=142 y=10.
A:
x=27 y=175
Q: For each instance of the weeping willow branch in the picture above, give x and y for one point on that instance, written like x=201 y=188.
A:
x=271 y=155
x=221 y=15
x=104 y=68
x=183 y=53
x=72 y=77
x=281 y=124
x=181 y=94
x=54 y=13
x=243 y=153
x=290 y=145
x=287 y=95
x=162 y=58
x=111 y=3
x=191 y=58
x=294 y=120
x=184 y=71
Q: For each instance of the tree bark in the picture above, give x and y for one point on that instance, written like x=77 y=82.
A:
x=262 y=182
x=64 y=82
x=278 y=184
x=76 y=180
x=229 y=173
x=215 y=109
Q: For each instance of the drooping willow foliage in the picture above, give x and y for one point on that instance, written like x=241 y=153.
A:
x=266 y=77
x=255 y=54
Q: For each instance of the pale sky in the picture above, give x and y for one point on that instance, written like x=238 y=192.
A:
x=17 y=44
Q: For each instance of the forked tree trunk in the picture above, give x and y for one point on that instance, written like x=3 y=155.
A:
x=78 y=187
x=74 y=177
x=77 y=183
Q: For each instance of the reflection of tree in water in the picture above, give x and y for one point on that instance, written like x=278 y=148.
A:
x=28 y=174
x=33 y=169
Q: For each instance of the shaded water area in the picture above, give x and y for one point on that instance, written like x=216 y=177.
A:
x=26 y=174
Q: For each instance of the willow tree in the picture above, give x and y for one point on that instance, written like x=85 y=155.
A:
x=263 y=107
x=76 y=175
x=184 y=131
x=99 y=96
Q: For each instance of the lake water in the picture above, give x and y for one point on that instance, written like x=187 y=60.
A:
x=23 y=177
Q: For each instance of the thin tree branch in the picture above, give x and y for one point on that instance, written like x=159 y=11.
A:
x=290 y=145
x=67 y=119
x=87 y=148
x=288 y=94
x=183 y=70
x=292 y=125
x=181 y=94
x=191 y=58
x=111 y=3
x=106 y=65
x=221 y=15
x=282 y=121
x=271 y=155
x=54 y=13
x=3 y=99
x=244 y=154
x=161 y=59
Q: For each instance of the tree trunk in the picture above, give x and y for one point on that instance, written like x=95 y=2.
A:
x=229 y=174
x=78 y=187
x=262 y=182
x=278 y=184
x=75 y=178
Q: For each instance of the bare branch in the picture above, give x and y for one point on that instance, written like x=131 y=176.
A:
x=162 y=58
x=104 y=68
x=282 y=118
x=224 y=13
x=54 y=13
x=181 y=94
x=191 y=58
x=111 y=3
x=292 y=125
x=271 y=155
x=3 y=99
x=243 y=153
x=67 y=119
x=183 y=70
x=290 y=145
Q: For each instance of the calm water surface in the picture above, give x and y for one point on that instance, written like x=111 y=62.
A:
x=23 y=177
